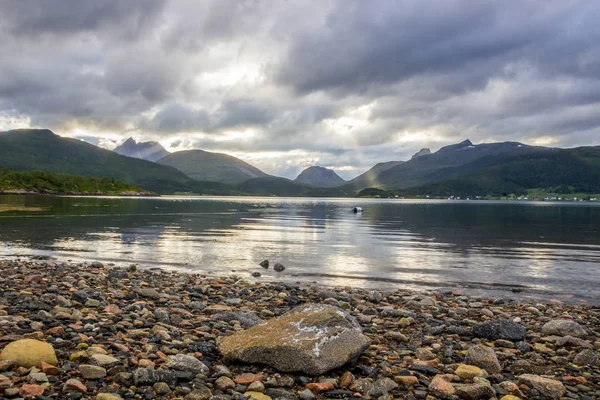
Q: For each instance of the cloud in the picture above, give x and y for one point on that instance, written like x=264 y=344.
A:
x=345 y=84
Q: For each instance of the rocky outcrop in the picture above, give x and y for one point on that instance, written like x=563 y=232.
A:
x=423 y=152
x=312 y=339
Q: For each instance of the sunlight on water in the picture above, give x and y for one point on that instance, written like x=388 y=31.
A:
x=546 y=249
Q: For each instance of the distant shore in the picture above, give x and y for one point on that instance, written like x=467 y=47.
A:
x=139 y=318
x=23 y=192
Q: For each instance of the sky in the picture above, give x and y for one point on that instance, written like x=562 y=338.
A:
x=293 y=83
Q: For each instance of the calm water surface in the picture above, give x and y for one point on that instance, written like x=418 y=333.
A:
x=549 y=250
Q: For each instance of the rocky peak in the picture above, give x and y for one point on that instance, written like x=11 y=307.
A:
x=423 y=152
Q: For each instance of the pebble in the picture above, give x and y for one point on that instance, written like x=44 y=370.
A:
x=149 y=334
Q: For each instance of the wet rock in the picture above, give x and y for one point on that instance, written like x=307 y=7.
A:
x=104 y=360
x=563 y=327
x=147 y=377
x=29 y=353
x=278 y=267
x=246 y=320
x=499 y=329
x=480 y=390
x=92 y=371
x=256 y=274
x=199 y=393
x=149 y=293
x=312 y=339
x=548 y=388
x=586 y=357
x=256 y=387
x=483 y=357
x=468 y=372
x=161 y=388
x=224 y=383
x=381 y=387
x=264 y=264
x=570 y=341
x=307 y=394
x=182 y=362
x=162 y=316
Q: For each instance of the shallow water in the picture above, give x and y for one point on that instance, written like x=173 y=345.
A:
x=548 y=250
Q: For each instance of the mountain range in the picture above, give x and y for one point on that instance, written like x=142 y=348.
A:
x=495 y=169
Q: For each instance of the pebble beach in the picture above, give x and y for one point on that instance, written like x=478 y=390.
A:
x=93 y=331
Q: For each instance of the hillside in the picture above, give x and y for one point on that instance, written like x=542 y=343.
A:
x=41 y=149
x=512 y=172
x=319 y=177
x=50 y=182
x=275 y=186
x=369 y=178
x=446 y=162
x=212 y=167
x=150 y=151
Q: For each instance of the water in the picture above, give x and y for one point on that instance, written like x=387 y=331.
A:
x=547 y=250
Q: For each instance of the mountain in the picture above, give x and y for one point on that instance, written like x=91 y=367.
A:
x=496 y=169
x=423 y=152
x=319 y=177
x=212 y=167
x=41 y=149
x=444 y=163
x=369 y=178
x=150 y=151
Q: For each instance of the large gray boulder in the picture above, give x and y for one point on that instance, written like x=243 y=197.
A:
x=312 y=339
x=563 y=327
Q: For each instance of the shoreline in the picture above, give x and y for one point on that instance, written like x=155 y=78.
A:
x=418 y=340
x=26 y=192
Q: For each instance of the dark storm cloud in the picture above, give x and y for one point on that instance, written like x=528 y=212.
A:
x=58 y=17
x=383 y=42
x=346 y=83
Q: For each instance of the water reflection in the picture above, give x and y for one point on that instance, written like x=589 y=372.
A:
x=548 y=248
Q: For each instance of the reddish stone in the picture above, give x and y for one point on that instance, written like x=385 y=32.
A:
x=29 y=390
x=76 y=385
x=347 y=379
x=112 y=309
x=121 y=347
x=57 y=330
x=248 y=378
x=319 y=387
x=49 y=369
x=33 y=278
x=574 y=380
x=144 y=362
x=181 y=312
